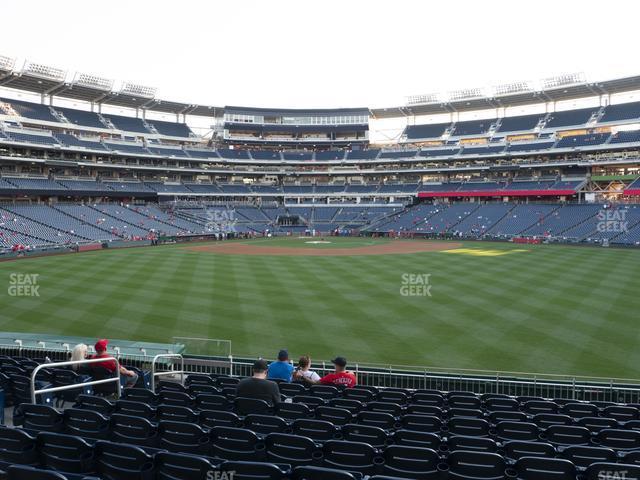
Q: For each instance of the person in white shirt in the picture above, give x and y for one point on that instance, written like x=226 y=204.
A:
x=303 y=372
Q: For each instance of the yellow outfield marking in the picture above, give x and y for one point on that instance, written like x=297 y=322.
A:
x=483 y=252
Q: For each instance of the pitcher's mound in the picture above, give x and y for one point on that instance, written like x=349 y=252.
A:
x=389 y=248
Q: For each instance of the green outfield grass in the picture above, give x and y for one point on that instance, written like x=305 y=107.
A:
x=551 y=309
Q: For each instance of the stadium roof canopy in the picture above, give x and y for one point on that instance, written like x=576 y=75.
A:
x=317 y=112
x=524 y=95
x=51 y=81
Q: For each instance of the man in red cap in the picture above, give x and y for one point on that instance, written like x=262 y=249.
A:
x=110 y=365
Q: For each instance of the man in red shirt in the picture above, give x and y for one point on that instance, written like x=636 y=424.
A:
x=110 y=365
x=341 y=377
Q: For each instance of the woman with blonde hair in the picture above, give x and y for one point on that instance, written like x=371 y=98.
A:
x=79 y=352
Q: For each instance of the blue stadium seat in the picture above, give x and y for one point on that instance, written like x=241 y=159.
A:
x=182 y=437
x=515 y=449
x=176 y=414
x=115 y=461
x=374 y=436
x=465 y=465
x=246 y=406
x=135 y=430
x=292 y=449
x=472 y=444
x=600 y=471
x=236 y=444
x=253 y=470
x=17 y=446
x=265 y=424
x=218 y=418
x=38 y=418
x=412 y=438
x=412 y=462
x=136 y=409
x=86 y=423
x=318 y=430
x=322 y=473
x=337 y=416
x=534 y=468
x=583 y=456
x=524 y=431
x=350 y=456
x=178 y=466
x=65 y=453
x=566 y=435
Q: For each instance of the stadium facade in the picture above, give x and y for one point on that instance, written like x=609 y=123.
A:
x=81 y=173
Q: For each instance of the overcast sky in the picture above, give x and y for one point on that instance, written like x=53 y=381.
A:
x=328 y=53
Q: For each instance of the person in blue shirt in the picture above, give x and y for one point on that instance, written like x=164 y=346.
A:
x=282 y=369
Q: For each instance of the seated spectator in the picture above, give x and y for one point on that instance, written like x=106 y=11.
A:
x=79 y=352
x=304 y=372
x=110 y=365
x=282 y=369
x=340 y=378
x=258 y=386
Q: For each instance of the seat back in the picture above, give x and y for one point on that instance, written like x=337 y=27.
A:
x=17 y=446
x=182 y=437
x=480 y=465
x=412 y=462
x=475 y=444
x=374 y=436
x=38 y=418
x=176 y=413
x=319 y=430
x=236 y=444
x=65 y=453
x=264 y=424
x=517 y=431
x=23 y=472
x=292 y=449
x=246 y=406
x=85 y=423
x=135 y=409
x=471 y=427
x=218 y=418
x=357 y=456
x=95 y=403
x=122 y=462
x=516 y=449
x=613 y=471
x=533 y=468
x=252 y=470
x=179 y=466
x=582 y=456
x=337 y=416
x=384 y=420
x=135 y=430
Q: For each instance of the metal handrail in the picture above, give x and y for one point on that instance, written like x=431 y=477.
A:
x=170 y=372
x=35 y=392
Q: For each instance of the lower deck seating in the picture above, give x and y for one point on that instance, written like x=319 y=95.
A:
x=191 y=431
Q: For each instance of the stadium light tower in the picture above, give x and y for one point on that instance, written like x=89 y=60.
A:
x=137 y=90
x=44 y=71
x=7 y=63
x=92 y=81
x=423 y=99
x=563 y=80
x=512 y=88
x=465 y=94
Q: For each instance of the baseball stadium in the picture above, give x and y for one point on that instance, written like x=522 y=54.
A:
x=440 y=289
